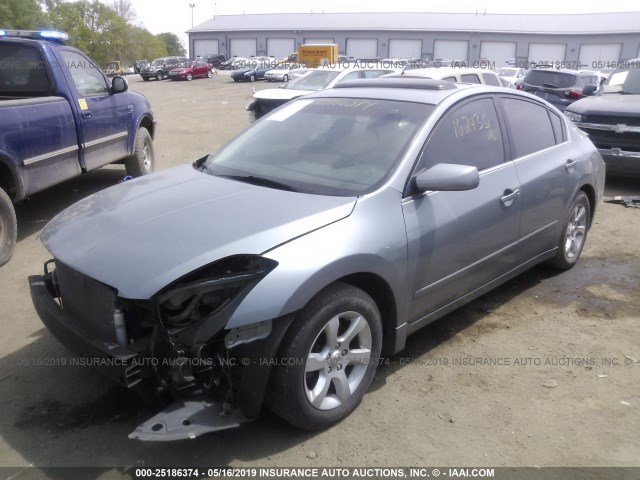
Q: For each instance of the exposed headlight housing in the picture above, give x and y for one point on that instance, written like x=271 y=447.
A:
x=210 y=290
x=574 y=117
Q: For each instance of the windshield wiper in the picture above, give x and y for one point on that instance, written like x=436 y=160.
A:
x=265 y=182
x=550 y=85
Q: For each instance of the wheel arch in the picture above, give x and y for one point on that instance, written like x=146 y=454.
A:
x=591 y=196
x=10 y=180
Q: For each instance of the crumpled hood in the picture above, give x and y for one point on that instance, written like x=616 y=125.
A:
x=143 y=234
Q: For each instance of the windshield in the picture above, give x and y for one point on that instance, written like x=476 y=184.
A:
x=325 y=146
x=625 y=80
x=157 y=63
x=507 y=72
x=314 y=80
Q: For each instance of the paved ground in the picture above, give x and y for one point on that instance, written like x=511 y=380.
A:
x=563 y=390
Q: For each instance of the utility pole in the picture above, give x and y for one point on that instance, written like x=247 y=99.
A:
x=192 y=5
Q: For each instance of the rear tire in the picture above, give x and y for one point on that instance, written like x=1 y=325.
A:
x=252 y=78
x=210 y=73
x=142 y=162
x=285 y=78
x=329 y=357
x=8 y=228
x=574 y=233
x=146 y=79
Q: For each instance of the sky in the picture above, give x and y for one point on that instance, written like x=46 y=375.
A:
x=175 y=15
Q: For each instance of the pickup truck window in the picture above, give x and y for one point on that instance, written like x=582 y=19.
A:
x=86 y=76
x=22 y=71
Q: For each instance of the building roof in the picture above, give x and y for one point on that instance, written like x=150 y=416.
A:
x=583 y=23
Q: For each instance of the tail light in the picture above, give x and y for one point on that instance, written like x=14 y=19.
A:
x=573 y=93
x=519 y=86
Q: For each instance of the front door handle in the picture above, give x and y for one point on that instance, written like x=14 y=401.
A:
x=570 y=165
x=86 y=114
x=509 y=197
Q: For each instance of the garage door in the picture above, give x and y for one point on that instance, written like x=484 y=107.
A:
x=498 y=52
x=450 y=50
x=202 y=47
x=362 y=48
x=405 y=48
x=243 y=47
x=280 y=47
x=590 y=55
x=321 y=41
x=547 y=52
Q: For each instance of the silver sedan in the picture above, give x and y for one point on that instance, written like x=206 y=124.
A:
x=281 y=274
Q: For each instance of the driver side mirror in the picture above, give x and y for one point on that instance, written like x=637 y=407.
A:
x=119 y=85
x=588 y=90
x=447 y=177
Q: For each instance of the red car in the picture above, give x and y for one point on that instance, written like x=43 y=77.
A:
x=196 y=69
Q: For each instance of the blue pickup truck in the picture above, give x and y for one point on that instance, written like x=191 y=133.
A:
x=60 y=116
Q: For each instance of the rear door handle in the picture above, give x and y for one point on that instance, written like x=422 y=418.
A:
x=510 y=195
x=570 y=165
x=86 y=114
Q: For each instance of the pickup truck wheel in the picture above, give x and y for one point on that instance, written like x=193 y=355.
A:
x=574 y=233
x=142 y=162
x=8 y=228
x=328 y=358
x=159 y=76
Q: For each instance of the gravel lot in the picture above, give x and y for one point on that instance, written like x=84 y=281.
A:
x=541 y=372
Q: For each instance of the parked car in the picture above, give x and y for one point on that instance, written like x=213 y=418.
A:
x=313 y=80
x=160 y=67
x=233 y=63
x=481 y=76
x=559 y=87
x=113 y=68
x=283 y=72
x=511 y=74
x=251 y=74
x=213 y=59
x=368 y=211
x=611 y=118
x=137 y=66
x=60 y=116
x=194 y=70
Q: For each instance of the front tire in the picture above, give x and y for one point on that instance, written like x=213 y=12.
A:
x=574 y=233
x=189 y=77
x=159 y=75
x=252 y=78
x=8 y=228
x=328 y=358
x=210 y=73
x=285 y=78
x=142 y=162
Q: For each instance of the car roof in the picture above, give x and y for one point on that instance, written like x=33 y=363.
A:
x=412 y=89
x=440 y=72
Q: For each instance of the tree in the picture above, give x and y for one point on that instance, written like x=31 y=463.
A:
x=172 y=42
x=22 y=14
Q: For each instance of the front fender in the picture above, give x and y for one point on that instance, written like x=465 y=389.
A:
x=354 y=245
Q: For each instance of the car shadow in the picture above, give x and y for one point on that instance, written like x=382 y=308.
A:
x=63 y=415
x=34 y=212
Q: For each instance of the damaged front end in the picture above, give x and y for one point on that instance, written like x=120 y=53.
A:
x=173 y=345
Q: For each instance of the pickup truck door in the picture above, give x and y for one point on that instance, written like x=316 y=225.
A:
x=105 y=119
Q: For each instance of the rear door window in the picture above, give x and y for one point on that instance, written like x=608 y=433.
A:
x=490 y=79
x=529 y=126
x=469 y=78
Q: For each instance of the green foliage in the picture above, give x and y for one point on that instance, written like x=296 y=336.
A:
x=103 y=32
x=172 y=42
x=21 y=14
